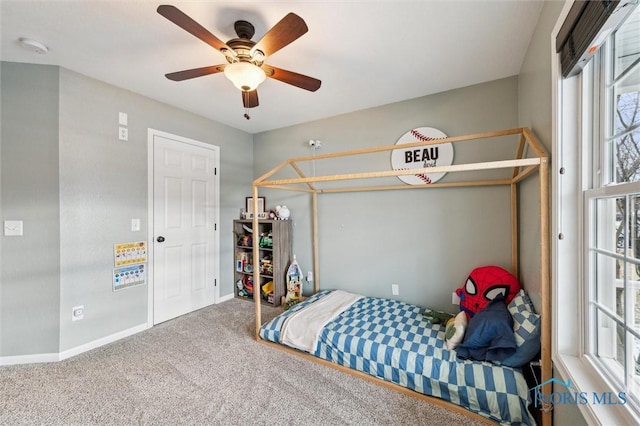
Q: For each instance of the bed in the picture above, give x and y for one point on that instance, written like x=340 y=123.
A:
x=393 y=341
x=417 y=362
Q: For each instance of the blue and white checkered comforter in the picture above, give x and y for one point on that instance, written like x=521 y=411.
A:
x=391 y=340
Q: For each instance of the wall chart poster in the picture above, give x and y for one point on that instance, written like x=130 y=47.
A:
x=129 y=253
x=422 y=157
x=129 y=276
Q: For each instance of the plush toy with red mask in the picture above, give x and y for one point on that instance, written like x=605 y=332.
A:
x=483 y=285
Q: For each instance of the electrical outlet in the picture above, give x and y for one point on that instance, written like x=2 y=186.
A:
x=455 y=300
x=123 y=134
x=77 y=313
x=310 y=276
x=395 y=289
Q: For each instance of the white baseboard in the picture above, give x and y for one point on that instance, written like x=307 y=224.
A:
x=29 y=359
x=102 y=341
x=55 y=357
x=225 y=298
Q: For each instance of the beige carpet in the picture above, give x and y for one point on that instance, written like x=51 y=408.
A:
x=204 y=368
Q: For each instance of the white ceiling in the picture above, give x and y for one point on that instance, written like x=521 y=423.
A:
x=367 y=53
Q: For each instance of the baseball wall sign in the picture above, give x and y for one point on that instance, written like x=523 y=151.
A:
x=423 y=156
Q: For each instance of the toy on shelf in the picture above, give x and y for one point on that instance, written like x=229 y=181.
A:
x=244 y=239
x=266 y=240
x=245 y=286
x=266 y=266
x=267 y=292
x=283 y=213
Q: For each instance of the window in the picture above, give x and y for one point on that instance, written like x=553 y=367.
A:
x=611 y=105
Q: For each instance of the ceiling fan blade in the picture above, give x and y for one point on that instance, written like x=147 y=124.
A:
x=193 y=73
x=250 y=99
x=176 y=16
x=293 y=78
x=289 y=29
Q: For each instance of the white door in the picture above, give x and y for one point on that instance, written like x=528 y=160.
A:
x=185 y=215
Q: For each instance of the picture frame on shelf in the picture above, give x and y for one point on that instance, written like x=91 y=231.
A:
x=249 y=206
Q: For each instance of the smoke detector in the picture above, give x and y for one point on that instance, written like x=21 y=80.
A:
x=33 y=45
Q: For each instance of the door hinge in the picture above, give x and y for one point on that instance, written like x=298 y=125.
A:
x=215 y=171
x=215 y=226
x=215 y=282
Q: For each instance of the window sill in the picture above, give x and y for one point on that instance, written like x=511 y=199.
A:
x=584 y=378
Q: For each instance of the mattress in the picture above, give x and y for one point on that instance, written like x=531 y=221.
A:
x=391 y=340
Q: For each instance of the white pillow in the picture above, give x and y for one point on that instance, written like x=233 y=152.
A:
x=454 y=333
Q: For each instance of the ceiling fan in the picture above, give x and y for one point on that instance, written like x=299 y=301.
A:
x=245 y=65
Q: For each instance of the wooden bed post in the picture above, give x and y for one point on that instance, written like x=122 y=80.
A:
x=256 y=263
x=514 y=230
x=314 y=220
x=514 y=209
x=545 y=286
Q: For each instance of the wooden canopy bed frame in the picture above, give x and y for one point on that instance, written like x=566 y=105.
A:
x=536 y=160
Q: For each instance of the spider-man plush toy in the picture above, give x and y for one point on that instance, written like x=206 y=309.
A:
x=483 y=285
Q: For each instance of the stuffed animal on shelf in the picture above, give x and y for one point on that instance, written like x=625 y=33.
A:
x=483 y=285
x=283 y=212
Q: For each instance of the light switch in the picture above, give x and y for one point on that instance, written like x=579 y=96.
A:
x=135 y=224
x=122 y=118
x=13 y=228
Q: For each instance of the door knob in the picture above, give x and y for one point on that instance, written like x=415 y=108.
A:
x=160 y=239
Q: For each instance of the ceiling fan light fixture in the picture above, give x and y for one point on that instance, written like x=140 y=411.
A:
x=244 y=75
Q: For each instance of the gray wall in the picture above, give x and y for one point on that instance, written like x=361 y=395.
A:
x=30 y=276
x=426 y=241
x=74 y=223
x=534 y=106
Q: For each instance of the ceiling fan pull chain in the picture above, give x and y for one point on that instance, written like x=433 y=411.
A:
x=245 y=101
